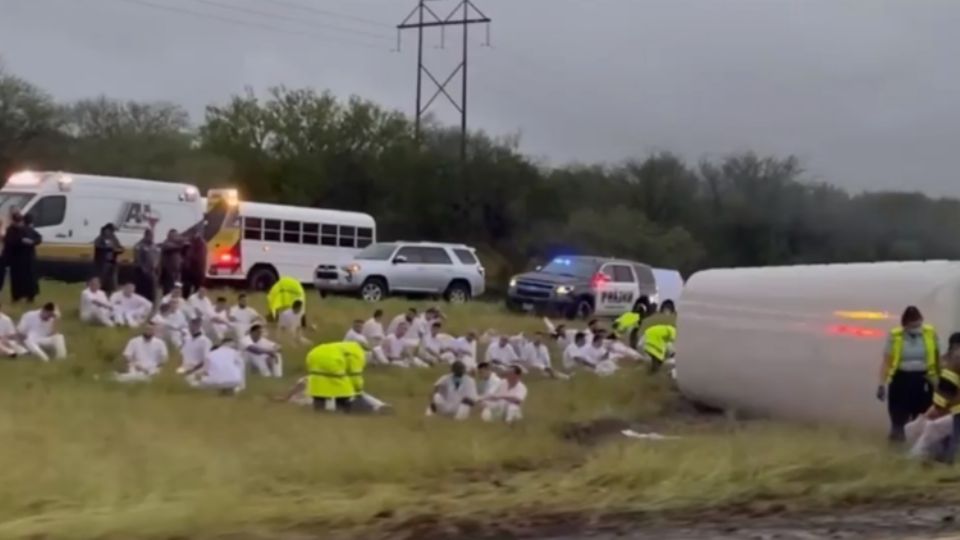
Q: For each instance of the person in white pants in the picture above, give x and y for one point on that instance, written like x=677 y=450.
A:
x=195 y=349
x=244 y=316
x=487 y=380
x=181 y=304
x=95 y=308
x=506 y=402
x=501 y=353
x=618 y=350
x=222 y=370
x=536 y=355
x=171 y=323
x=293 y=321
x=129 y=308
x=372 y=329
x=433 y=347
x=39 y=330
x=144 y=355
x=598 y=355
x=262 y=354
x=464 y=349
x=218 y=321
x=10 y=343
x=454 y=394
x=375 y=353
x=398 y=350
x=407 y=317
x=577 y=354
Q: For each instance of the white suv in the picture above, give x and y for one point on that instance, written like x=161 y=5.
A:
x=385 y=268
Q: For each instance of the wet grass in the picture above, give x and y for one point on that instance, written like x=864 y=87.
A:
x=83 y=458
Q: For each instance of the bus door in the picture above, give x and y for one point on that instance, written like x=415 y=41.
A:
x=222 y=234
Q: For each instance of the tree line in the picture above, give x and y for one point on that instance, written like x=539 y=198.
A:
x=304 y=147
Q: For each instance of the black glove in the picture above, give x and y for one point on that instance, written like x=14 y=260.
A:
x=881 y=392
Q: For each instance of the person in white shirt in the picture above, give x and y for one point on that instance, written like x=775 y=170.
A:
x=10 y=342
x=536 y=355
x=618 y=350
x=222 y=370
x=454 y=394
x=487 y=380
x=433 y=348
x=39 y=330
x=575 y=354
x=500 y=353
x=599 y=356
x=464 y=349
x=244 y=316
x=144 y=355
x=372 y=330
x=292 y=321
x=171 y=323
x=219 y=324
x=262 y=354
x=407 y=317
x=195 y=349
x=175 y=298
x=200 y=304
x=95 y=308
x=375 y=353
x=562 y=335
x=506 y=402
x=129 y=308
x=398 y=351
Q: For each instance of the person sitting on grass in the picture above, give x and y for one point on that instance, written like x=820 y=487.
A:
x=501 y=353
x=10 y=342
x=536 y=355
x=222 y=370
x=95 y=308
x=399 y=351
x=293 y=321
x=129 y=308
x=171 y=323
x=38 y=328
x=487 y=380
x=243 y=316
x=506 y=402
x=454 y=394
x=195 y=349
x=144 y=354
x=261 y=354
x=371 y=345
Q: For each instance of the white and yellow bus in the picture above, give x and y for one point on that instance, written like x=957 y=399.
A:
x=256 y=243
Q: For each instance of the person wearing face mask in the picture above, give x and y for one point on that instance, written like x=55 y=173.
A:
x=454 y=394
x=909 y=371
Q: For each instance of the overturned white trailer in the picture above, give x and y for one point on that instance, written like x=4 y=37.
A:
x=804 y=342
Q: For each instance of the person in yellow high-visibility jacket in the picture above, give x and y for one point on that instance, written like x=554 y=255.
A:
x=329 y=382
x=657 y=340
x=909 y=371
x=356 y=357
x=283 y=294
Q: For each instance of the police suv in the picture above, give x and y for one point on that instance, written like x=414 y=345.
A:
x=581 y=286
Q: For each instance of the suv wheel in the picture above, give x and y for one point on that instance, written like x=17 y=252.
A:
x=583 y=309
x=373 y=290
x=457 y=293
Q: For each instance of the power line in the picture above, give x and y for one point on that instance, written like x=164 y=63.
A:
x=299 y=20
x=334 y=14
x=243 y=23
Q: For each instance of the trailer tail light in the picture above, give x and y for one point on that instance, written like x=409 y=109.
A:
x=855 y=331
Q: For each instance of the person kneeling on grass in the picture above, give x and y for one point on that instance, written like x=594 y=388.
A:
x=222 y=370
x=334 y=380
x=39 y=330
x=144 y=354
x=454 y=394
x=506 y=402
x=293 y=321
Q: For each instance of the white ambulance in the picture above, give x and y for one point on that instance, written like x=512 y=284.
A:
x=70 y=209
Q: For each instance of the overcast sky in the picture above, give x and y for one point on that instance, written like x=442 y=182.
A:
x=865 y=92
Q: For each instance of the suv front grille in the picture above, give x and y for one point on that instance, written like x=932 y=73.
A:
x=533 y=289
x=327 y=271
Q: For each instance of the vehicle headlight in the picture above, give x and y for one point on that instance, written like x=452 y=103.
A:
x=513 y=282
x=564 y=289
x=352 y=268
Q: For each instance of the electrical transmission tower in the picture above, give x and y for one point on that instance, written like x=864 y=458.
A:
x=422 y=17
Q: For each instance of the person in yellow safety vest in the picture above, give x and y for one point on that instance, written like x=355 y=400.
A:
x=909 y=370
x=946 y=401
x=283 y=294
x=630 y=322
x=656 y=344
x=329 y=382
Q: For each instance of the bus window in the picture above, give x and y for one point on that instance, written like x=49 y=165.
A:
x=347 y=236
x=364 y=237
x=291 y=232
x=271 y=230
x=328 y=235
x=252 y=228
x=311 y=233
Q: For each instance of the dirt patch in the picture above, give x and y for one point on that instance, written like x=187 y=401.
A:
x=913 y=524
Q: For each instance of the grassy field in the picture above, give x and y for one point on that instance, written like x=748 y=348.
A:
x=82 y=458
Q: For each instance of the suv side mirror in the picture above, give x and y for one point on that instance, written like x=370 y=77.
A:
x=399 y=259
